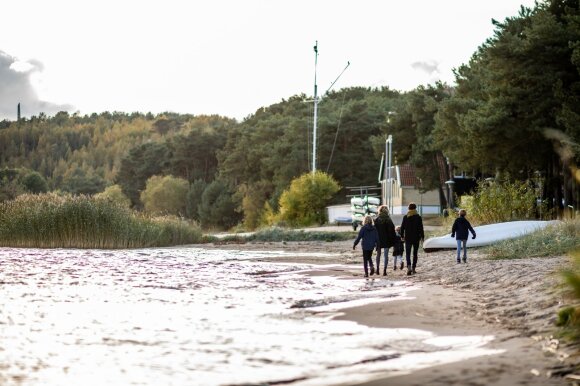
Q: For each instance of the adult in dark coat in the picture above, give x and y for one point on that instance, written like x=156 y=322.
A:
x=387 y=235
x=460 y=230
x=412 y=233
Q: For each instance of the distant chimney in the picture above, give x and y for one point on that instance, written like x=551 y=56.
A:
x=18 y=113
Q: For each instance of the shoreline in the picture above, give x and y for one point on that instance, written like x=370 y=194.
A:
x=516 y=301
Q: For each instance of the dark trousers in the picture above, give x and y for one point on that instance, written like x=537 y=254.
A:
x=408 y=245
x=368 y=260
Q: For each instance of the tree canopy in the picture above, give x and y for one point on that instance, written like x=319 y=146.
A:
x=514 y=110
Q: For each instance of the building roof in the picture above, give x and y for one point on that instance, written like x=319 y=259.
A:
x=408 y=176
x=404 y=174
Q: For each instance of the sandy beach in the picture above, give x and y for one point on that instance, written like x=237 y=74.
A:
x=516 y=301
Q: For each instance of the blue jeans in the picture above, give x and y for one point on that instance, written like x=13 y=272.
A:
x=397 y=258
x=459 y=243
x=386 y=253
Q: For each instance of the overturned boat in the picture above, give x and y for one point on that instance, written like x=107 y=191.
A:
x=488 y=234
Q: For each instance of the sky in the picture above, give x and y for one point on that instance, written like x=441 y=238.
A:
x=226 y=57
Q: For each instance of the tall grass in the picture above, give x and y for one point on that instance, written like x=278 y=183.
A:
x=569 y=317
x=278 y=234
x=53 y=221
x=554 y=240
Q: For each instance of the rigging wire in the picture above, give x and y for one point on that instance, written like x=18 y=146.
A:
x=339 y=75
x=337 y=128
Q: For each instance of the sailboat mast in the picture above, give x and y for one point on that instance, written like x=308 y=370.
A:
x=315 y=119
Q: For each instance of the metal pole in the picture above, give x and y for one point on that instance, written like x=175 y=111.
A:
x=389 y=160
x=421 y=196
x=386 y=174
x=390 y=178
x=315 y=110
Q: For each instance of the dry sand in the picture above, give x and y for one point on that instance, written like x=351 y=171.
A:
x=514 y=300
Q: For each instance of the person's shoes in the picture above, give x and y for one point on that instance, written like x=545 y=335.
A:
x=395 y=267
x=402 y=265
x=458 y=261
x=384 y=272
x=414 y=272
x=372 y=271
x=378 y=270
x=409 y=272
x=465 y=260
x=366 y=275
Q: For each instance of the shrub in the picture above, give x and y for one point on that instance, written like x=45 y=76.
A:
x=165 y=195
x=254 y=203
x=115 y=194
x=501 y=201
x=33 y=182
x=304 y=203
x=194 y=199
x=217 y=208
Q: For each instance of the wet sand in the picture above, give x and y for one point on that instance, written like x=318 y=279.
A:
x=514 y=300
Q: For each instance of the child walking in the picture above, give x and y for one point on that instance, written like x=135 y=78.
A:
x=370 y=240
x=461 y=228
x=398 y=249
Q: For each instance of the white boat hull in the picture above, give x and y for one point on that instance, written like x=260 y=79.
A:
x=488 y=234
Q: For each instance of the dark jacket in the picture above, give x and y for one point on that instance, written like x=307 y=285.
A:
x=398 y=247
x=460 y=229
x=369 y=236
x=412 y=227
x=386 y=230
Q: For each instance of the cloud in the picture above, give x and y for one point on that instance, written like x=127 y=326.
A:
x=430 y=67
x=16 y=87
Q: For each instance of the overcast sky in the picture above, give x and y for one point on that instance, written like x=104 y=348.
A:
x=226 y=57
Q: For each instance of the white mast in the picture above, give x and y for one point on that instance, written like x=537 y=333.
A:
x=389 y=166
x=315 y=110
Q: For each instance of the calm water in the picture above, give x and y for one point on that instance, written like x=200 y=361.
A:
x=189 y=316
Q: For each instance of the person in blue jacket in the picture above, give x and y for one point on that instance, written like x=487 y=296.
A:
x=460 y=230
x=370 y=240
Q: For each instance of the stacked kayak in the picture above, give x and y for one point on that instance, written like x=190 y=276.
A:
x=360 y=206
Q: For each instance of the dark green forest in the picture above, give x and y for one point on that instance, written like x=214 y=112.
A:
x=513 y=111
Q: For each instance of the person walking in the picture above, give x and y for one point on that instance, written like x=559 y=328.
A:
x=460 y=230
x=412 y=233
x=386 y=230
x=398 y=249
x=370 y=240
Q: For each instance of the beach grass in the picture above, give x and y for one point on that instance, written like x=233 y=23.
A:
x=65 y=221
x=554 y=240
x=277 y=234
x=568 y=318
x=281 y=234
